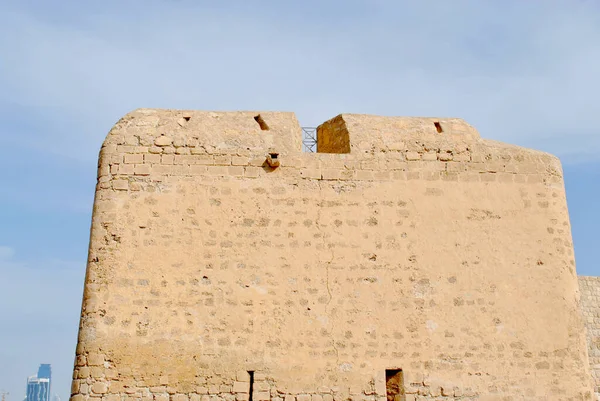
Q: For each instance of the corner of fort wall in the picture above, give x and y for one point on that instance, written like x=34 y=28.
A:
x=589 y=288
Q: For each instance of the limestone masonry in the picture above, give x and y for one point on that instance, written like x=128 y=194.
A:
x=590 y=305
x=408 y=259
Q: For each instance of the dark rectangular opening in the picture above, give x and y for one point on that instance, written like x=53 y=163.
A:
x=394 y=385
x=251 y=389
x=438 y=127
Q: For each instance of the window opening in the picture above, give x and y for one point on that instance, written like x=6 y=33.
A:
x=394 y=385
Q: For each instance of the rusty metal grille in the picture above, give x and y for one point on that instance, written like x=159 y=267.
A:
x=309 y=139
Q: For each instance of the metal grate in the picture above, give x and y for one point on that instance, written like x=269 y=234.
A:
x=309 y=139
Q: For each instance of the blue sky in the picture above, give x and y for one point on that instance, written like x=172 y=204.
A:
x=521 y=72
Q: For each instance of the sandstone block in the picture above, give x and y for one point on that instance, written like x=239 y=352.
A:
x=412 y=156
x=150 y=158
x=99 y=388
x=222 y=160
x=252 y=172
x=443 y=156
x=380 y=388
x=239 y=161
x=366 y=175
x=97 y=372
x=126 y=169
x=236 y=171
x=217 y=170
x=262 y=395
x=242 y=376
x=311 y=173
x=241 y=387
x=133 y=158
x=332 y=174
x=74 y=386
x=120 y=185
x=80 y=360
x=163 y=141
x=462 y=157
x=84 y=372
x=261 y=385
x=142 y=169
x=429 y=156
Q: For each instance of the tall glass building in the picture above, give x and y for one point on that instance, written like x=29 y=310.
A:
x=38 y=387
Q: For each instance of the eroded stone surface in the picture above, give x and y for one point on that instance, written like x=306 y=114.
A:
x=438 y=253
x=590 y=305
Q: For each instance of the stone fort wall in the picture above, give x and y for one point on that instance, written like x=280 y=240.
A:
x=590 y=306
x=413 y=261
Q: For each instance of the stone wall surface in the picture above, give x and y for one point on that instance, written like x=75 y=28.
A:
x=590 y=306
x=439 y=254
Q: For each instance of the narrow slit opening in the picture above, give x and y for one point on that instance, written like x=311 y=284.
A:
x=261 y=123
x=394 y=385
x=438 y=127
x=251 y=388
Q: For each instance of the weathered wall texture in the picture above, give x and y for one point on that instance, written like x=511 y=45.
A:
x=438 y=253
x=590 y=306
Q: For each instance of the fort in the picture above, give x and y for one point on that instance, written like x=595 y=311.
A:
x=407 y=259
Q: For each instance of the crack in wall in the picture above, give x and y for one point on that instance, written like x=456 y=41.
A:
x=327 y=284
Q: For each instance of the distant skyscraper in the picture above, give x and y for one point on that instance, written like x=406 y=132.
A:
x=38 y=387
